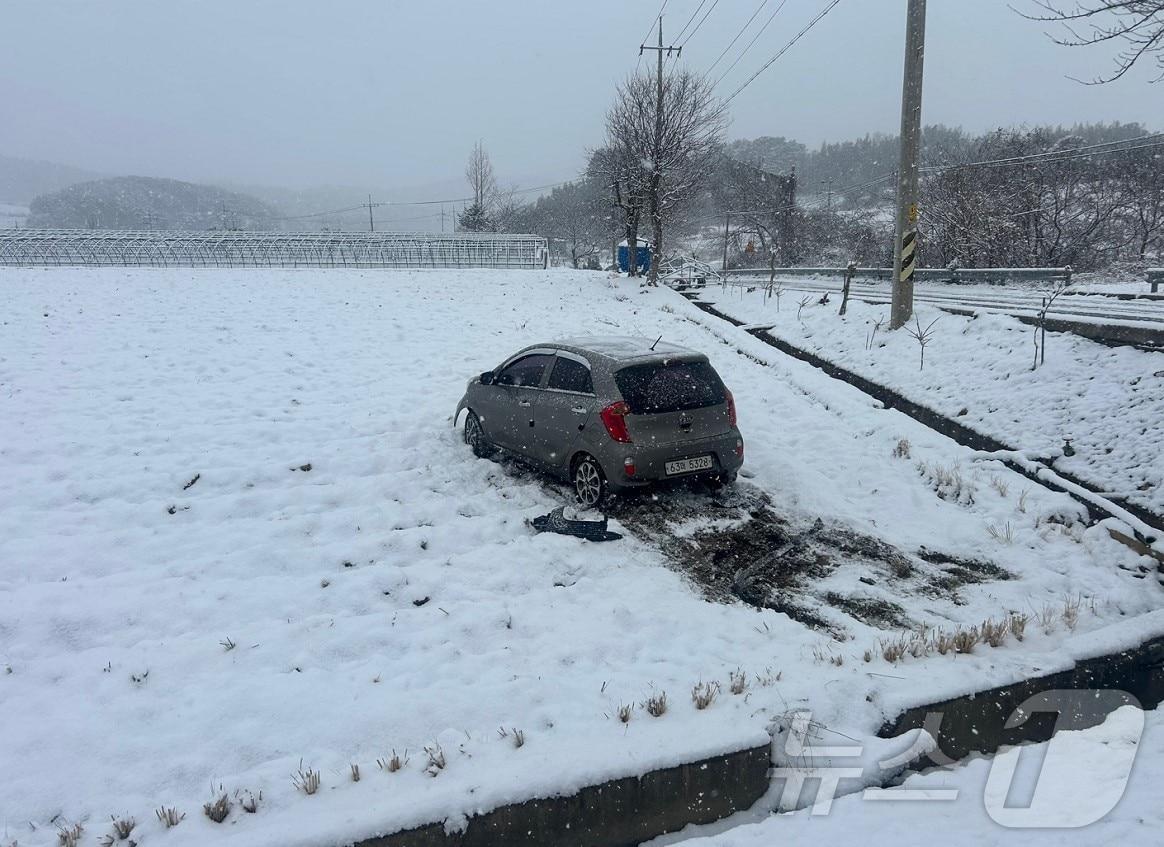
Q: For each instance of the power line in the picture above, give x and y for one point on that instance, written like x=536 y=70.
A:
x=783 y=49
x=1055 y=155
x=382 y=204
x=748 y=47
x=732 y=43
x=691 y=34
x=690 y=19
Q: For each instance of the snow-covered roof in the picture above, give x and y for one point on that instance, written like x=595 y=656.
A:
x=623 y=346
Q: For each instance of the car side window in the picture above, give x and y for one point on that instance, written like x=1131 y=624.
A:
x=569 y=375
x=526 y=371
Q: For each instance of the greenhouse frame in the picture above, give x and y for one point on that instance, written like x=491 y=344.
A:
x=235 y=249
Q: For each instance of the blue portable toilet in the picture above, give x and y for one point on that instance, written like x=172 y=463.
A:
x=643 y=251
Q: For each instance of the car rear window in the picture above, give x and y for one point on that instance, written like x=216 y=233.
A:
x=670 y=387
x=569 y=375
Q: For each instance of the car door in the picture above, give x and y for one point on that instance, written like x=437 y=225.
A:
x=565 y=408
x=518 y=385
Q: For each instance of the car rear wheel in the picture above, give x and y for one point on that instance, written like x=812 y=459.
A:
x=475 y=437
x=589 y=481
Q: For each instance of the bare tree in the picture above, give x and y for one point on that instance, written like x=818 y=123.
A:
x=619 y=168
x=672 y=149
x=479 y=174
x=1136 y=25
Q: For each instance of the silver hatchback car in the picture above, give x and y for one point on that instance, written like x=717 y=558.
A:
x=608 y=414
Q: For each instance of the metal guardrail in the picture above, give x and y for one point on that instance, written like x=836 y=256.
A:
x=1155 y=278
x=989 y=276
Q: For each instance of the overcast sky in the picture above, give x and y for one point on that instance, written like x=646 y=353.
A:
x=388 y=93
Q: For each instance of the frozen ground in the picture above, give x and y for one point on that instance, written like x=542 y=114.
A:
x=239 y=538
x=1082 y=776
x=1108 y=400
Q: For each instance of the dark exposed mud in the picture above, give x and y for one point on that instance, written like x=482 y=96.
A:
x=735 y=546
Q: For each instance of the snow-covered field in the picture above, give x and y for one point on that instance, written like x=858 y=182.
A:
x=1108 y=400
x=239 y=538
x=1068 y=783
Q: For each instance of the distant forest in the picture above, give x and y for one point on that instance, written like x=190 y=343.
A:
x=841 y=165
x=1087 y=196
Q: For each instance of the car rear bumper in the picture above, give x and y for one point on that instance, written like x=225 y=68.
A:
x=650 y=461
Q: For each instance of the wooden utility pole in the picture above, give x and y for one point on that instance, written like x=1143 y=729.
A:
x=371 y=222
x=656 y=177
x=905 y=241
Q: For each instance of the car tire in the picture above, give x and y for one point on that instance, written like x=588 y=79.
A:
x=589 y=481
x=475 y=436
x=717 y=483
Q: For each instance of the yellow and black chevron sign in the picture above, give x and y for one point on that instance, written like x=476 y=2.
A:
x=908 y=254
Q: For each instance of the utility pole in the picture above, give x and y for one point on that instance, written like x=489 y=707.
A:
x=442 y=218
x=371 y=222
x=727 y=222
x=905 y=241
x=658 y=145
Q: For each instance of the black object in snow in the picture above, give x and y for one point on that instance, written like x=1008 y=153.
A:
x=556 y=521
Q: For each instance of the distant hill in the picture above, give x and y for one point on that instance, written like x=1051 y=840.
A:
x=138 y=202
x=23 y=179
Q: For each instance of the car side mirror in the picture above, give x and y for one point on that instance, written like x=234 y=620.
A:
x=487 y=378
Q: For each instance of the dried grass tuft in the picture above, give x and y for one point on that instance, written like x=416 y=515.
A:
x=170 y=816
x=704 y=694
x=1003 y=534
x=217 y=809
x=249 y=802
x=739 y=681
x=307 y=780
x=393 y=763
x=625 y=711
x=437 y=761
x=656 y=704
x=69 y=836
x=901 y=451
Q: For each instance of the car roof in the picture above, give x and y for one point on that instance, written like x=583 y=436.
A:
x=624 y=347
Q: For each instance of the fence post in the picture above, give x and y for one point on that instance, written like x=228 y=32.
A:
x=849 y=272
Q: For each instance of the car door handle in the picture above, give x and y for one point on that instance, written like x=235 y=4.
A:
x=579 y=410
x=524 y=403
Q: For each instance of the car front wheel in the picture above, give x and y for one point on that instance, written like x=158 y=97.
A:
x=589 y=482
x=475 y=436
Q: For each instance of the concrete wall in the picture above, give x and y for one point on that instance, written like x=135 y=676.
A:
x=619 y=813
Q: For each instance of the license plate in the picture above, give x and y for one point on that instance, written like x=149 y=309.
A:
x=699 y=463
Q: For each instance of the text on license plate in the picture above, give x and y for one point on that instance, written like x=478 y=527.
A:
x=699 y=463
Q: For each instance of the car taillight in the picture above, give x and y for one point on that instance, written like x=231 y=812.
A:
x=614 y=419
x=628 y=466
x=731 y=401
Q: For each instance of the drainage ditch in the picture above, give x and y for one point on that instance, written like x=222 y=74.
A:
x=1098 y=506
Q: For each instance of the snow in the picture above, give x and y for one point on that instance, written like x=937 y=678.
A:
x=1081 y=794
x=379 y=585
x=1108 y=401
